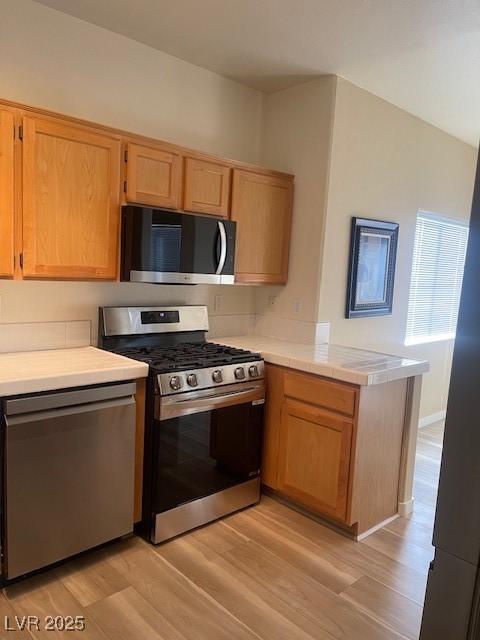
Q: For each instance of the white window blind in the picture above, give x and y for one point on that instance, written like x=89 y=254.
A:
x=437 y=274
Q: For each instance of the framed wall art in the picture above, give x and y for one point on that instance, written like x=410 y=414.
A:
x=371 y=273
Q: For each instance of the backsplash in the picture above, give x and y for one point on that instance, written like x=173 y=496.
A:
x=34 y=336
x=55 y=315
x=291 y=330
x=230 y=308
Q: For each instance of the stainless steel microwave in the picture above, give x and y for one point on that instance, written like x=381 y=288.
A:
x=167 y=247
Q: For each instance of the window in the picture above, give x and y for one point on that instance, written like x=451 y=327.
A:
x=437 y=273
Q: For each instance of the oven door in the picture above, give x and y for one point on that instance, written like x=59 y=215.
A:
x=167 y=247
x=206 y=456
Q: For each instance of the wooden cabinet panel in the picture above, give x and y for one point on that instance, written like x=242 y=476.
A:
x=377 y=454
x=207 y=187
x=262 y=207
x=314 y=458
x=271 y=428
x=153 y=176
x=336 y=396
x=71 y=194
x=6 y=193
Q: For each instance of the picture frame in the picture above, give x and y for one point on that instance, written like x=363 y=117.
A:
x=371 y=272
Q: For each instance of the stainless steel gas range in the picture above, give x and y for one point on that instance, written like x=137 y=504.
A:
x=204 y=416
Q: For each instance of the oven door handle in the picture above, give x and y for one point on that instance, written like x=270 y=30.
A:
x=172 y=407
x=223 y=248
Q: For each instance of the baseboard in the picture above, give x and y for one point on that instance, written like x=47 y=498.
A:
x=380 y=525
x=432 y=418
x=405 y=508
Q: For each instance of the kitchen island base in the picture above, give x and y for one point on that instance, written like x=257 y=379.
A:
x=335 y=449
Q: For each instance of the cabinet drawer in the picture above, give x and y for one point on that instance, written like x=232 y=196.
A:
x=323 y=393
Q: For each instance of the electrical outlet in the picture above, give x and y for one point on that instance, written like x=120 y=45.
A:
x=271 y=301
x=298 y=305
x=218 y=302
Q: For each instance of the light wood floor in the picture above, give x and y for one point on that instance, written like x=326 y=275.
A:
x=265 y=573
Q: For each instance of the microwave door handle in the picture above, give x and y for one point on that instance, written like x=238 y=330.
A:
x=223 y=248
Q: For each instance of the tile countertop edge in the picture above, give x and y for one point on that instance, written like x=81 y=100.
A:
x=120 y=369
x=68 y=381
x=327 y=369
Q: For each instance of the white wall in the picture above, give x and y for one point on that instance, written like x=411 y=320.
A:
x=387 y=164
x=354 y=154
x=51 y=60
x=297 y=138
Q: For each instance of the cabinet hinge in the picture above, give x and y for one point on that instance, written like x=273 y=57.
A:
x=20 y=132
x=125 y=155
x=125 y=186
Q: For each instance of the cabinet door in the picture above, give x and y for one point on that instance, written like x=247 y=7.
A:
x=314 y=458
x=71 y=198
x=207 y=187
x=153 y=176
x=262 y=207
x=6 y=193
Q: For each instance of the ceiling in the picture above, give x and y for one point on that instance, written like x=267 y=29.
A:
x=421 y=55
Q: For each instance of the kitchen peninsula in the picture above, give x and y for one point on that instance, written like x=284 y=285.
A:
x=340 y=430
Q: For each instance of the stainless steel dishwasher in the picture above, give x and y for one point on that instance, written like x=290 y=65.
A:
x=68 y=473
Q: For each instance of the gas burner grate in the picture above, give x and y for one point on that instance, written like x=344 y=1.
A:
x=186 y=356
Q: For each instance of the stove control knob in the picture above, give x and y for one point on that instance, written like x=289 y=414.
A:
x=240 y=373
x=176 y=382
x=192 y=380
x=217 y=376
x=253 y=370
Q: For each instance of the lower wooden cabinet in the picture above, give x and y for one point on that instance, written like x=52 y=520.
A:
x=71 y=201
x=262 y=209
x=334 y=448
x=314 y=457
x=6 y=193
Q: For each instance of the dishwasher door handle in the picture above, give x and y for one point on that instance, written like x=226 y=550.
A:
x=68 y=398
x=64 y=412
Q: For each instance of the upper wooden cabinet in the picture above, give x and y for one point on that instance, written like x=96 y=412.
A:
x=153 y=176
x=262 y=207
x=206 y=187
x=6 y=193
x=63 y=180
x=71 y=201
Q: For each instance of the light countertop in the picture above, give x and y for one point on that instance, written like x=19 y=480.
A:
x=33 y=371
x=333 y=361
